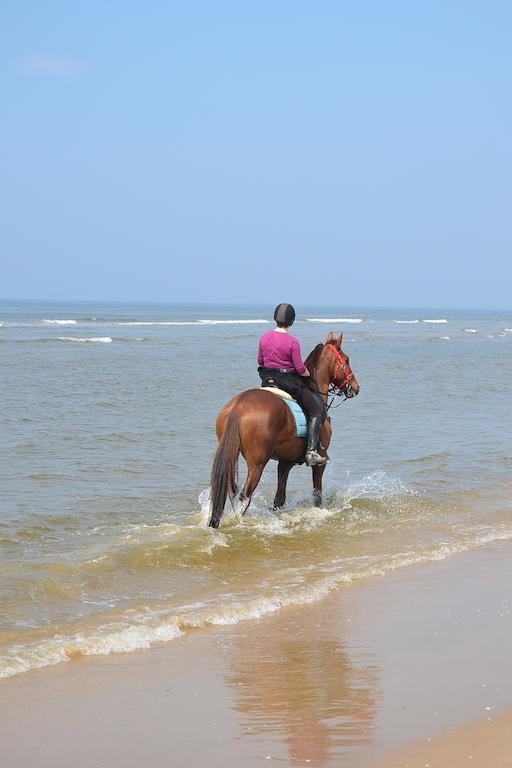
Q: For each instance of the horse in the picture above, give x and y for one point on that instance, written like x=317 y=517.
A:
x=259 y=425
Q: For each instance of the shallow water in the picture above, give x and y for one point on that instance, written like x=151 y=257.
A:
x=108 y=437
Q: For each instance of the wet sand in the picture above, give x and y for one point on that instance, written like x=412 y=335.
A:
x=486 y=744
x=377 y=665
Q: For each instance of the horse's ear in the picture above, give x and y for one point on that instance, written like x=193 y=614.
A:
x=330 y=337
x=339 y=339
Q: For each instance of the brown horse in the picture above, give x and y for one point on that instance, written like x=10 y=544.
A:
x=260 y=426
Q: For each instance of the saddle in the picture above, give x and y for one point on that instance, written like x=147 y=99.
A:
x=280 y=392
x=301 y=423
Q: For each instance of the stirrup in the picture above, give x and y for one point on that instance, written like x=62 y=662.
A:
x=313 y=459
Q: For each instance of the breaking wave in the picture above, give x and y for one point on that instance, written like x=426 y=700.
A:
x=246 y=570
x=93 y=340
x=192 y=322
x=143 y=629
x=59 y=322
x=334 y=319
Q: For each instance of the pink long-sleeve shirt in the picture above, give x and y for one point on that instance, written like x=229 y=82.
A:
x=280 y=350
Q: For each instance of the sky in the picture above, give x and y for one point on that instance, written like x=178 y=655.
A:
x=330 y=152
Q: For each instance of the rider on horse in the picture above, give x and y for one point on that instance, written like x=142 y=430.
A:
x=280 y=364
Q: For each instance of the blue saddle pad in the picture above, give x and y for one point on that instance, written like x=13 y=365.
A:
x=301 y=423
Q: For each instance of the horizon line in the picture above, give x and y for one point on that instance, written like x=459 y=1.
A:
x=254 y=304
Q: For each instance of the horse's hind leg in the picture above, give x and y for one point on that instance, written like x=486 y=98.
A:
x=254 y=472
x=283 y=470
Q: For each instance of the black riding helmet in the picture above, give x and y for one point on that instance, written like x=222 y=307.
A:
x=285 y=314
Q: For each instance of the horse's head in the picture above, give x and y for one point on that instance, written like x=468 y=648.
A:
x=341 y=375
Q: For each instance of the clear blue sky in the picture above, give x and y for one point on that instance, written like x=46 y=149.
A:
x=356 y=153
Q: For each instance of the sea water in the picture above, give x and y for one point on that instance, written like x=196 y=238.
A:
x=107 y=438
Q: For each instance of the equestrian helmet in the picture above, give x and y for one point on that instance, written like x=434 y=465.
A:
x=285 y=314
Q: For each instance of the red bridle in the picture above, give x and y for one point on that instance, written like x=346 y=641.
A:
x=339 y=362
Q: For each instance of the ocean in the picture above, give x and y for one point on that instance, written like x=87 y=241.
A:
x=108 y=414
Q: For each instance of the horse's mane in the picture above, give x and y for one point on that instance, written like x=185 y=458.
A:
x=312 y=359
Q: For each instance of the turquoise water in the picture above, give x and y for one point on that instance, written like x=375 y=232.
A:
x=108 y=437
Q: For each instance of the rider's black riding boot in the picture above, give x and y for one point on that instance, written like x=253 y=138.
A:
x=313 y=458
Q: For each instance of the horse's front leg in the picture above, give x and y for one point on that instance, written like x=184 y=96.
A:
x=318 y=473
x=283 y=470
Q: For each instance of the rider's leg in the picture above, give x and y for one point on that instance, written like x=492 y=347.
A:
x=289 y=382
x=314 y=407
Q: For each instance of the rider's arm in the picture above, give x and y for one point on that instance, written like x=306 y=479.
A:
x=260 y=354
x=297 y=359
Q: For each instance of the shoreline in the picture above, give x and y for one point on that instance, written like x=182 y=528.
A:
x=344 y=681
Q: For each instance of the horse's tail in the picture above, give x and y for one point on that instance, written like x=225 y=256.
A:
x=224 y=470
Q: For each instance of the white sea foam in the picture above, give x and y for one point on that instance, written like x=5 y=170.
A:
x=286 y=523
x=440 y=320
x=232 y=322
x=259 y=518
x=471 y=330
x=258 y=321
x=93 y=340
x=335 y=319
x=445 y=338
x=217 y=540
x=105 y=640
x=309 y=518
x=406 y=322
x=20 y=325
x=232 y=514
x=149 y=322
x=378 y=486
x=59 y=322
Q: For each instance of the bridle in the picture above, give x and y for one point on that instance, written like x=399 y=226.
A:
x=343 y=389
x=339 y=363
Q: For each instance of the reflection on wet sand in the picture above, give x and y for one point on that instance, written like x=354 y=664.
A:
x=300 y=684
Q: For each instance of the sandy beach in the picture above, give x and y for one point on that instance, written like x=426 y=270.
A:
x=390 y=664
x=484 y=744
